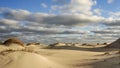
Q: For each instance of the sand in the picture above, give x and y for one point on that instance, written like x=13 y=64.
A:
x=83 y=59
x=60 y=57
x=31 y=60
x=21 y=59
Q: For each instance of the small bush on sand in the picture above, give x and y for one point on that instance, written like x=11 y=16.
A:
x=84 y=44
x=13 y=40
x=118 y=52
x=106 y=53
x=1 y=43
x=104 y=43
x=52 y=45
x=35 y=43
x=98 y=43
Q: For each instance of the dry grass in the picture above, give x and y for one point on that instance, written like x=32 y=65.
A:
x=4 y=50
x=13 y=40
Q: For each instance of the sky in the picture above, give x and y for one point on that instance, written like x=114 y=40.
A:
x=49 y=21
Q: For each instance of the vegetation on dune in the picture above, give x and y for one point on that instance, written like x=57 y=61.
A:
x=13 y=40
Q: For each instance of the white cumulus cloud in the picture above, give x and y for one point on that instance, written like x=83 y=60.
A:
x=44 y=5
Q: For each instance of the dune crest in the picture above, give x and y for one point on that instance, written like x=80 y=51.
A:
x=115 y=44
x=13 y=40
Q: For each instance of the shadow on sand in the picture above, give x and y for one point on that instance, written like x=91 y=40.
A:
x=112 y=62
x=95 y=49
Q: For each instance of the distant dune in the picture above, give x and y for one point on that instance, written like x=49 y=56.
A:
x=115 y=44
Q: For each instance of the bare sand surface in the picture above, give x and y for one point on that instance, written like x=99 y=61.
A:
x=60 y=57
x=31 y=60
x=84 y=59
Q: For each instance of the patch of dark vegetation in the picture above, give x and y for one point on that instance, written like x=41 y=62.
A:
x=1 y=43
x=118 y=52
x=35 y=43
x=13 y=41
x=5 y=52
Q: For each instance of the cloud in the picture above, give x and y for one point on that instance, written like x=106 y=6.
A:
x=12 y=26
x=78 y=6
x=44 y=5
x=69 y=19
x=54 y=7
x=14 y=14
x=33 y=31
x=113 y=23
x=51 y=19
x=8 y=22
x=22 y=22
x=111 y=33
x=107 y=32
x=97 y=11
x=61 y=25
x=115 y=15
x=110 y=1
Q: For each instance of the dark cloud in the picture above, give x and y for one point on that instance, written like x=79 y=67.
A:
x=67 y=20
x=114 y=23
x=108 y=34
x=72 y=32
x=103 y=32
x=32 y=26
x=8 y=27
x=50 y=19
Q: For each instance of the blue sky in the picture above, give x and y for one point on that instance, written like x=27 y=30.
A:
x=62 y=19
x=31 y=5
x=35 y=5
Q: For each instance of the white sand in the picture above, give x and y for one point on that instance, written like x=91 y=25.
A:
x=31 y=60
x=56 y=58
x=22 y=59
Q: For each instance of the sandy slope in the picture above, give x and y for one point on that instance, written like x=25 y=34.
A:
x=84 y=58
x=31 y=60
x=64 y=57
x=14 y=57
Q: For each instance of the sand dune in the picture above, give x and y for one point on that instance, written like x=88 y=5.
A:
x=30 y=60
x=15 y=56
x=115 y=44
x=33 y=56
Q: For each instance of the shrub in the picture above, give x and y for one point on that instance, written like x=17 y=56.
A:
x=13 y=40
